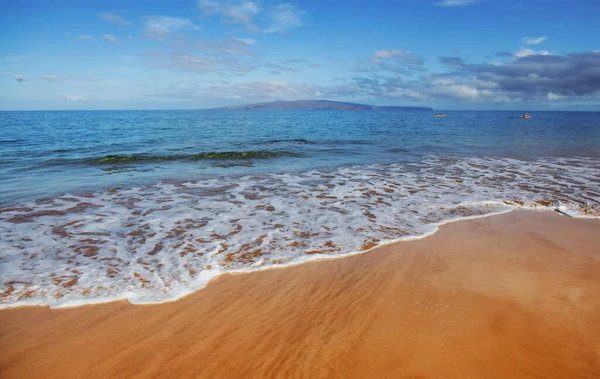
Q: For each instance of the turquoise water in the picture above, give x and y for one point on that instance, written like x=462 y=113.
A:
x=48 y=153
x=148 y=206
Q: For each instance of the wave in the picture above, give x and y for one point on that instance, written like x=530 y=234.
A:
x=298 y=140
x=213 y=155
x=159 y=242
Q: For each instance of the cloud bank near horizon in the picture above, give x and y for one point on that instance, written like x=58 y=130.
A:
x=239 y=51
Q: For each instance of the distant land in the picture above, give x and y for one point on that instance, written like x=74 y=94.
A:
x=318 y=105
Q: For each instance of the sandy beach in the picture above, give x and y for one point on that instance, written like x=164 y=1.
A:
x=507 y=296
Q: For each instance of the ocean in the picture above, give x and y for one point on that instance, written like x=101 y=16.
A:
x=149 y=205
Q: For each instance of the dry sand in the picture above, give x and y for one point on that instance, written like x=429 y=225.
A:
x=509 y=296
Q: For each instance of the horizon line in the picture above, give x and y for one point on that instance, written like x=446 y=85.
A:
x=287 y=110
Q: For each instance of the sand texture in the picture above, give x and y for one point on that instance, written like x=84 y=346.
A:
x=509 y=296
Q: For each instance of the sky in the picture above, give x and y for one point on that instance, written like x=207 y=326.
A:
x=197 y=54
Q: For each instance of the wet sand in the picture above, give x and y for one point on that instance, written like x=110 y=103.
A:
x=509 y=296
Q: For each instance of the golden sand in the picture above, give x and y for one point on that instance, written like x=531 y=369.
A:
x=509 y=296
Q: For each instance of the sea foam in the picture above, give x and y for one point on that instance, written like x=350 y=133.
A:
x=157 y=243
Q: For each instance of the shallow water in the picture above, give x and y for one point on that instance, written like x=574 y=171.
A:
x=148 y=206
x=48 y=153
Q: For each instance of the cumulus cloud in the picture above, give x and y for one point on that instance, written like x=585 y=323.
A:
x=114 y=18
x=576 y=74
x=533 y=76
x=424 y=89
x=109 y=38
x=527 y=52
x=555 y=96
x=238 y=12
x=160 y=28
x=283 y=17
x=456 y=3
x=534 y=40
x=21 y=78
x=76 y=98
x=275 y=18
x=86 y=38
x=53 y=78
x=530 y=78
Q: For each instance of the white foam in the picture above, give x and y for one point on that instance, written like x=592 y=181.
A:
x=158 y=243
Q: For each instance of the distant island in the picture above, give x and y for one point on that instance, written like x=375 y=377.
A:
x=318 y=105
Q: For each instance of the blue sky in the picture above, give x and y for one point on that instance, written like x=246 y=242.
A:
x=447 y=54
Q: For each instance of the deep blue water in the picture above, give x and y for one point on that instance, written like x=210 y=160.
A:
x=50 y=153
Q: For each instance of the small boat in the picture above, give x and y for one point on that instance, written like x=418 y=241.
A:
x=440 y=115
x=526 y=116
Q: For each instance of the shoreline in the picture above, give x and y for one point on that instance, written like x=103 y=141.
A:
x=150 y=244
x=311 y=258
x=518 y=287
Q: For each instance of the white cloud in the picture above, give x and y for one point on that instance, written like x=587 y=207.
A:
x=528 y=52
x=555 y=96
x=277 y=18
x=76 y=98
x=114 y=18
x=247 y=41
x=549 y=79
x=53 y=78
x=534 y=40
x=238 y=12
x=21 y=78
x=383 y=54
x=160 y=28
x=109 y=38
x=242 y=13
x=283 y=17
x=456 y=3
x=86 y=38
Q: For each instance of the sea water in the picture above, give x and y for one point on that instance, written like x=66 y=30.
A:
x=149 y=205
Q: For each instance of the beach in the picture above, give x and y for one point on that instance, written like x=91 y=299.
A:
x=148 y=207
x=506 y=296
x=265 y=189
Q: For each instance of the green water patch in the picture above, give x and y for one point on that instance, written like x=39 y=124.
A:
x=212 y=155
